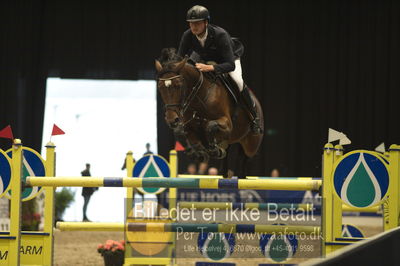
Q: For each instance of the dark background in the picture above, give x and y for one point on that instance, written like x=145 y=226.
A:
x=312 y=64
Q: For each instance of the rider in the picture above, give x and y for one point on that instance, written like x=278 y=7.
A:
x=213 y=43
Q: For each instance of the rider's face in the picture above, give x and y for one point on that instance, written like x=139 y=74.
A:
x=198 y=27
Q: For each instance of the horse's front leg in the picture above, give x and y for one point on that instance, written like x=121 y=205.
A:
x=194 y=149
x=217 y=131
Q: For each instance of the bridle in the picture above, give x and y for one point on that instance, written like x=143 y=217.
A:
x=186 y=100
x=167 y=83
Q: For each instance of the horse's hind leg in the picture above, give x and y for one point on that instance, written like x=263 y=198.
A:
x=226 y=166
x=251 y=144
x=241 y=166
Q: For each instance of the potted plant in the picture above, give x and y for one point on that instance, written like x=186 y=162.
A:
x=112 y=252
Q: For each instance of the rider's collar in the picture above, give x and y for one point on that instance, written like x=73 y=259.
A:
x=202 y=39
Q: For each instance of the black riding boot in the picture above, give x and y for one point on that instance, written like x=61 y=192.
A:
x=251 y=108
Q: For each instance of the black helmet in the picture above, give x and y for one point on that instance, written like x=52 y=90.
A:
x=197 y=13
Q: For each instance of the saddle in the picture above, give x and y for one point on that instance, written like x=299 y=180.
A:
x=225 y=79
x=229 y=84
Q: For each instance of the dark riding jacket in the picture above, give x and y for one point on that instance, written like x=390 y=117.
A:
x=219 y=47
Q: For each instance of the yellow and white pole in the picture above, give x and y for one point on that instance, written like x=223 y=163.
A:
x=336 y=202
x=129 y=190
x=327 y=195
x=394 y=187
x=89 y=226
x=49 y=205
x=15 y=210
x=130 y=195
x=173 y=166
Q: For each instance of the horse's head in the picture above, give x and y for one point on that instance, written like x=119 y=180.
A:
x=171 y=85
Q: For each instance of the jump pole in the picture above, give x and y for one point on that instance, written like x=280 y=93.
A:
x=174 y=182
x=188 y=227
x=199 y=205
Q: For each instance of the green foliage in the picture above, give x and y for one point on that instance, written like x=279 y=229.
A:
x=63 y=199
x=30 y=218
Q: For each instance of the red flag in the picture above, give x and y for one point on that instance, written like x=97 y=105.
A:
x=57 y=131
x=178 y=146
x=6 y=133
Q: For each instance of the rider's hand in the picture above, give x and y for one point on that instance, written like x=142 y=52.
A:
x=204 y=67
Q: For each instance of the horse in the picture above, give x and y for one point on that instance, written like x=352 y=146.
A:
x=203 y=114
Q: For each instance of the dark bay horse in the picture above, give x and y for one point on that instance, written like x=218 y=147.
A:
x=202 y=113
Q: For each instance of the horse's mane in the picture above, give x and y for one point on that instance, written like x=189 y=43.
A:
x=169 y=57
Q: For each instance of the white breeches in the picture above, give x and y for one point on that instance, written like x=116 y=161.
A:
x=236 y=74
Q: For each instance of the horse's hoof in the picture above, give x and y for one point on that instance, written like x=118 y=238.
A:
x=212 y=127
x=217 y=153
x=229 y=174
x=222 y=153
x=179 y=130
x=192 y=154
x=202 y=157
x=189 y=151
x=192 y=157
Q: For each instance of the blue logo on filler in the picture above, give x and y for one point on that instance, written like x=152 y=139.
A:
x=351 y=231
x=361 y=180
x=32 y=165
x=154 y=164
x=5 y=173
x=151 y=166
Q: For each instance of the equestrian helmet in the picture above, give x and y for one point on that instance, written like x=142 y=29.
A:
x=197 y=13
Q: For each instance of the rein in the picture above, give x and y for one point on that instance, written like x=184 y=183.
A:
x=193 y=93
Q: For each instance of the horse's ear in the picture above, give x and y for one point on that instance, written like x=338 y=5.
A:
x=181 y=64
x=158 y=66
